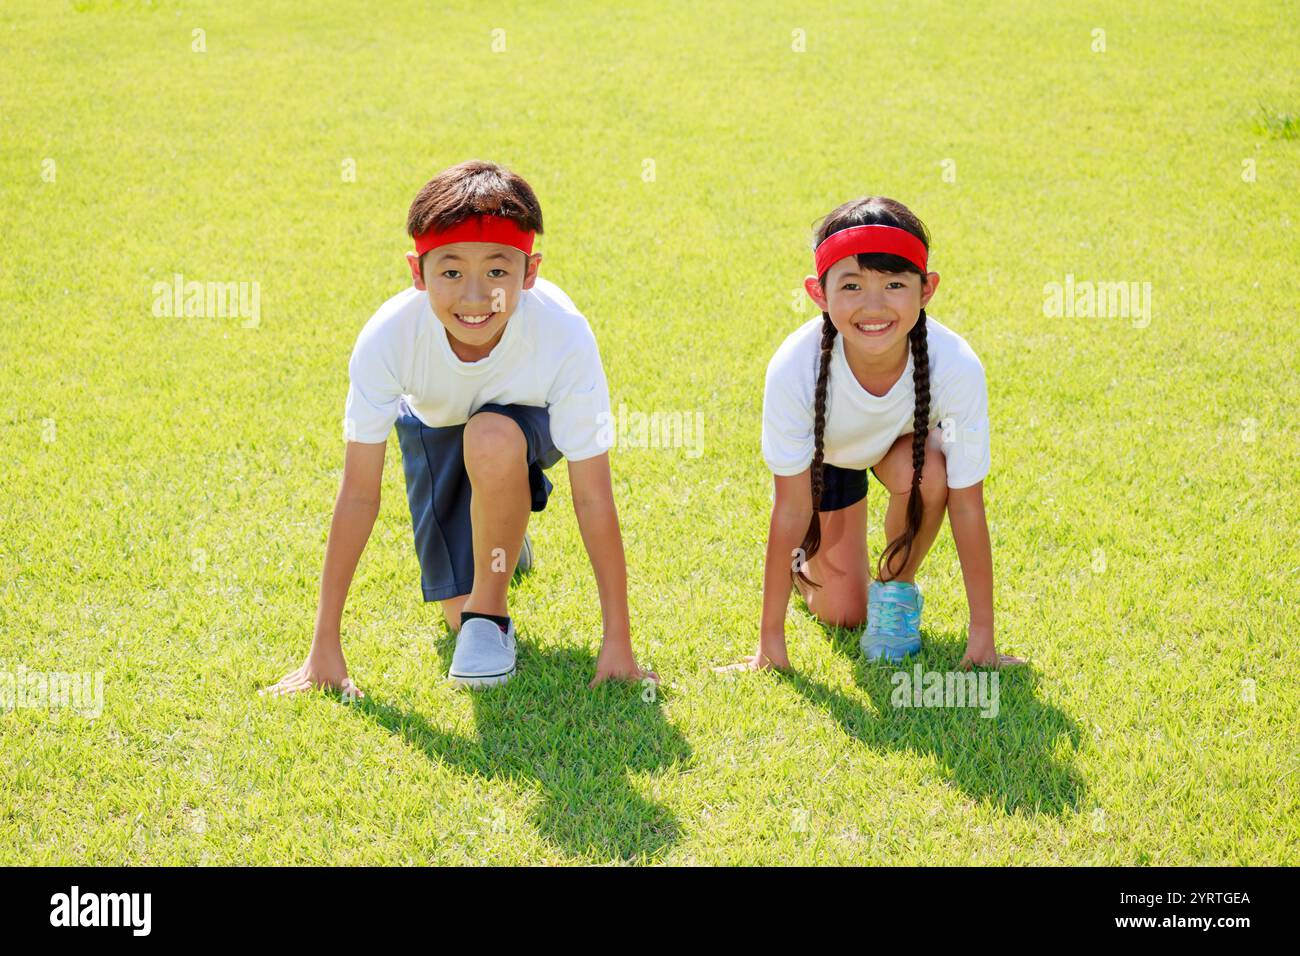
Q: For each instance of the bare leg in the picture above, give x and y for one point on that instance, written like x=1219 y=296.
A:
x=895 y=471
x=496 y=460
x=451 y=609
x=840 y=567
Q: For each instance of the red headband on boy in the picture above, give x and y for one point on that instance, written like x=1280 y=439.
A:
x=478 y=229
x=856 y=239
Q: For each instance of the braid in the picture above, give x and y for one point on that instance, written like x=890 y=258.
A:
x=902 y=545
x=813 y=538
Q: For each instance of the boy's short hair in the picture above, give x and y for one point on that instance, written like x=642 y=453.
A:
x=472 y=188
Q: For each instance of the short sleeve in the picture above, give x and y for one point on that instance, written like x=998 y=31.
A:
x=581 y=424
x=374 y=391
x=964 y=425
x=787 y=419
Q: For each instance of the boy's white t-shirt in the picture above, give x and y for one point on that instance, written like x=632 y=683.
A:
x=547 y=357
x=860 y=427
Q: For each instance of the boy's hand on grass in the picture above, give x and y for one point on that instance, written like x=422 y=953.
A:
x=321 y=669
x=980 y=651
x=617 y=662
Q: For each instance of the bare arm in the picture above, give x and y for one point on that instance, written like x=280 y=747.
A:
x=355 y=511
x=593 y=504
x=970 y=532
x=791 y=512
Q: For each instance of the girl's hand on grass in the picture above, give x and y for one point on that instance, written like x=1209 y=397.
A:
x=764 y=659
x=324 y=669
x=980 y=651
x=617 y=662
x=991 y=660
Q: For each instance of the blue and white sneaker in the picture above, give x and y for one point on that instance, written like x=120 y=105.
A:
x=893 y=628
x=484 y=655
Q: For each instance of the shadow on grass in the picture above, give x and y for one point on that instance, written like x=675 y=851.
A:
x=1010 y=759
x=579 y=744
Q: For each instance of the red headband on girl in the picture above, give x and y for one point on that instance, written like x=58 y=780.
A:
x=856 y=239
x=478 y=229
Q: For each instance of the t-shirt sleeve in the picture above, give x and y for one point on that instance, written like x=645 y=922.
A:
x=787 y=418
x=581 y=424
x=964 y=424
x=374 y=389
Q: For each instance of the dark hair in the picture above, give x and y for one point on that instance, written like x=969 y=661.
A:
x=473 y=188
x=873 y=211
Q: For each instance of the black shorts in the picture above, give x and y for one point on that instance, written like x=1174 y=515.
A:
x=842 y=487
x=438 y=492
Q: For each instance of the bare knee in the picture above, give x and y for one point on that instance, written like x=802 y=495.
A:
x=838 y=610
x=493 y=444
x=934 y=472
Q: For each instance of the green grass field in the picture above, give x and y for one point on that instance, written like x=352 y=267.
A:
x=167 y=482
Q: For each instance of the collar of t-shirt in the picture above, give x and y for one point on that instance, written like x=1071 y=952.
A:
x=510 y=339
x=841 y=372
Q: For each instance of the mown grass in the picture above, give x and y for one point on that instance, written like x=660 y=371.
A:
x=167 y=482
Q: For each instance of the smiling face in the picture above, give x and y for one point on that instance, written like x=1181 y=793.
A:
x=873 y=311
x=473 y=289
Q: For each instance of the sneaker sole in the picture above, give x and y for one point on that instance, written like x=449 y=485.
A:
x=890 y=654
x=479 y=681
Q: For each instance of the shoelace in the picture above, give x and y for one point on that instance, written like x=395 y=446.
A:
x=885 y=619
x=892 y=619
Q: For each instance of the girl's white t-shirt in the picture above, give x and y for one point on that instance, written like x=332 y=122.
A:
x=547 y=357
x=860 y=427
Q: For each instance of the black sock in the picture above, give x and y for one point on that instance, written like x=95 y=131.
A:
x=497 y=619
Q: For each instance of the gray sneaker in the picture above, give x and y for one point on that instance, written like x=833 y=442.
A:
x=484 y=657
x=526 y=556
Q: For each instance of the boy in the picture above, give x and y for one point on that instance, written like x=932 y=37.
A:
x=490 y=375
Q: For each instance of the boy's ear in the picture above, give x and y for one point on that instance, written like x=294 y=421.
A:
x=531 y=265
x=414 y=261
x=815 y=292
x=929 y=288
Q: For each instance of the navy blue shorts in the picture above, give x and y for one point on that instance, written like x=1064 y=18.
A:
x=842 y=487
x=438 y=491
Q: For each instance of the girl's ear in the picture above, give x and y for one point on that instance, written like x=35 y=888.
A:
x=814 y=290
x=414 y=262
x=928 y=288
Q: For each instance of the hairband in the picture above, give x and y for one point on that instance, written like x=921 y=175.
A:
x=858 y=239
x=478 y=229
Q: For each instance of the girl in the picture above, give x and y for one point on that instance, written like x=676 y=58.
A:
x=875 y=383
